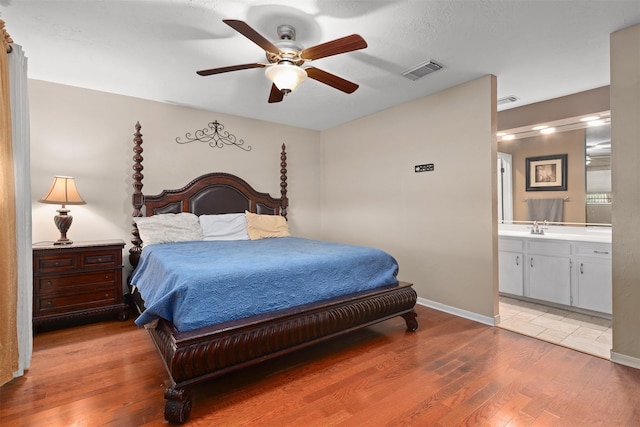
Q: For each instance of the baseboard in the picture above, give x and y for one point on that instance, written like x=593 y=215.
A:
x=459 y=312
x=623 y=359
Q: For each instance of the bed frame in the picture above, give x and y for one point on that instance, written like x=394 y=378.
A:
x=206 y=353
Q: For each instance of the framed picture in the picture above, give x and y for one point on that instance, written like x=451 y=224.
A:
x=546 y=173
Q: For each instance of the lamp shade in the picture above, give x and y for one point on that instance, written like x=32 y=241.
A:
x=63 y=191
x=285 y=76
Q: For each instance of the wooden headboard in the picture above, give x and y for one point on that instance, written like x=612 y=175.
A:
x=213 y=193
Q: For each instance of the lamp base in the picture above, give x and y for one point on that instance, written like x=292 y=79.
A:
x=63 y=242
x=63 y=222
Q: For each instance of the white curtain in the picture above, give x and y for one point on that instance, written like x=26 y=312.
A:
x=22 y=171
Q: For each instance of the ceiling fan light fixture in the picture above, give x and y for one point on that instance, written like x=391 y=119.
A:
x=285 y=76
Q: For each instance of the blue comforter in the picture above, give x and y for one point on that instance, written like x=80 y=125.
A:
x=200 y=283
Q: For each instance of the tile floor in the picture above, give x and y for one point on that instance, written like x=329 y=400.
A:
x=574 y=330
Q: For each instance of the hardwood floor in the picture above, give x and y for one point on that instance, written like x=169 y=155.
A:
x=450 y=372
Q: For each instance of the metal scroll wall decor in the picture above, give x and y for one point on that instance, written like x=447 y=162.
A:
x=215 y=135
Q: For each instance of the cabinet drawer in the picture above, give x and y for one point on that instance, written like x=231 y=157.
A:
x=55 y=263
x=598 y=250
x=98 y=259
x=510 y=245
x=61 y=283
x=78 y=301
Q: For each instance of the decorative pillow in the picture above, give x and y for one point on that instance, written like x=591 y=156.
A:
x=263 y=226
x=167 y=228
x=224 y=227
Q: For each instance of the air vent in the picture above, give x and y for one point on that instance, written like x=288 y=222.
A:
x=507 y=99
x=422 y=70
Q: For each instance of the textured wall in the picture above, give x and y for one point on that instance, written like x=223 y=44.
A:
x=440 y=225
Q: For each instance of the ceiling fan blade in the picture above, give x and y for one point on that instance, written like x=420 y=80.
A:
x=244 y=29
x=231 y=68
x=276 y=94
x=331 y=80
x=334 y=47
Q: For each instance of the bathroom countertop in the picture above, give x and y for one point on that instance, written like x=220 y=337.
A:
x=577 y=234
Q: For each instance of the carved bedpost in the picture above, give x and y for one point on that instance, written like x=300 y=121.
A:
x=138 y=198
x=283 y=182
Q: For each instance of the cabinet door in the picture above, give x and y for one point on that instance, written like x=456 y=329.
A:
x=593 y=290
x=510 y=272
x=549 y=278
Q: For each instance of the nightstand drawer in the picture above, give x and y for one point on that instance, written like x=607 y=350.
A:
x=78 y=301
x=55 y=263
x=99 y=259
x=61 y=283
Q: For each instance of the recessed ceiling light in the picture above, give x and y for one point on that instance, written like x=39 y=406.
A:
x=508 y=137
x=548 y=130
x=539 y=127
x=589 y=118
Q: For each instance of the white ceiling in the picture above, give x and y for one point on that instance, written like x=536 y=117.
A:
x=151 y=49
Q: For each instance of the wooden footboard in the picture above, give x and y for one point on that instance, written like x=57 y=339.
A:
x=206 y=353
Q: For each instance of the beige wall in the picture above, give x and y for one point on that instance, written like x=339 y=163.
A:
x=440 y=225
x=625 y=134
x=88 y=134
x=571 y=143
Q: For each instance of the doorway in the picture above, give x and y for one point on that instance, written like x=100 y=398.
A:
x=505 y=188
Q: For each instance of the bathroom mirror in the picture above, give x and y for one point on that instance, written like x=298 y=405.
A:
x=588 y=144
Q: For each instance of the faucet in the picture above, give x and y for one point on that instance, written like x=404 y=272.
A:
x=536 y=229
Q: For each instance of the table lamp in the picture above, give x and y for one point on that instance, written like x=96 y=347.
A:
x=63 y=192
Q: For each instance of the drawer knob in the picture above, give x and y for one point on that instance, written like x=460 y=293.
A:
x=106 y=276
x=57 y=262
x=49 y=282
x=48 y=302
x=99 y=259
x=601 y=252
x=106 y=295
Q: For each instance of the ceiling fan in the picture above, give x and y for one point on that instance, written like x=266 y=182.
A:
x=286 y=59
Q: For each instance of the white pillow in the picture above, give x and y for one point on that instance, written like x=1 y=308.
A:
x=168 y=228
x=224 y=227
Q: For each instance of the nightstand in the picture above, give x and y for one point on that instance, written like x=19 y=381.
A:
x=76 y=281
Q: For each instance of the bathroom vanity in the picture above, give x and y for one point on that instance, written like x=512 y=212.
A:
x=567 y=266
